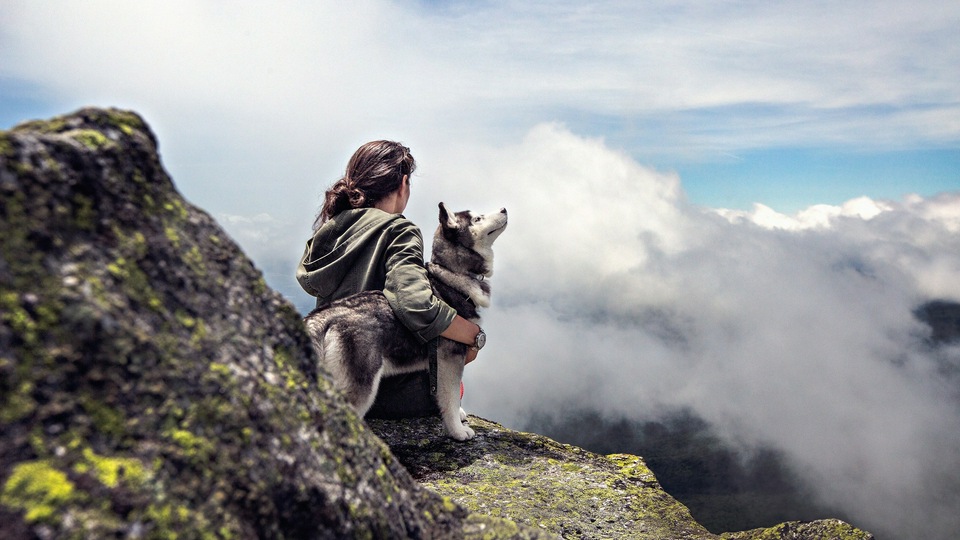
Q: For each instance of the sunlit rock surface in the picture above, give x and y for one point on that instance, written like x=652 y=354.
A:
x=533 y=480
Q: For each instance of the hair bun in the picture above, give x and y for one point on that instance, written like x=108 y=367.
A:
x=356 y=197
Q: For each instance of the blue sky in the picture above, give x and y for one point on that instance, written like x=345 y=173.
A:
x=790 y=179
x=727 y=207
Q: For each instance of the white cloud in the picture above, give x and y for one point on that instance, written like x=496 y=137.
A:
x=612 y=292
x=817 y=216
x=381 y=64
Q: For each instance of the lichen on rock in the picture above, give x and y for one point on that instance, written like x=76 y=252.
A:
x=562 y=489
x=825 y=529
x=536 y=481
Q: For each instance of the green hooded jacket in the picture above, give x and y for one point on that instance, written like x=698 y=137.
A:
x=368 y=249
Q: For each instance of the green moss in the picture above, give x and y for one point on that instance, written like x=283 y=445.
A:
x=125 y=121
x=135 y=282
x=194 y=446
x=197 y=327
x=116 y=268
x=107 y=420
x=83 y=214
x=19 y=320
x=37 y=442
x=92 y=139
x=176 y=208
x=19 y=403
x=832 y=529
x=199 y=333
x=149 y=204
x=172 y=236
x=20 y=168
x=38 y=489
x=260 y=286
x=135 y=244
x=448 y=505
x=633 y=467
x=6 y=145
x=222 y=370
x=171 y=521
x=194 y=260
x=293 y=378
x=110 y=471
x=53 y=125
x=167 y=519
x=561 y=489
x=185 y=320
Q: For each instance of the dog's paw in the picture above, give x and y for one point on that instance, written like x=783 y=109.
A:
x=463 y=416
x=462 y=433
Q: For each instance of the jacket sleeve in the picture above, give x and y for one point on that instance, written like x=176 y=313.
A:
x=407 y=286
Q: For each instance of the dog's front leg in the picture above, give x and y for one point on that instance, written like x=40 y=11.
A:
x=449 y=374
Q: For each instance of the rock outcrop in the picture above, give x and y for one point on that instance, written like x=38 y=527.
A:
x=152 y=385
x=535 y=481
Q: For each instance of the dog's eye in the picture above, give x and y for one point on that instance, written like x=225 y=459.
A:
x=477 y=219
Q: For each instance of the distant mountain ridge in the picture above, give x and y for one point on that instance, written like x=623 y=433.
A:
x=152 y=385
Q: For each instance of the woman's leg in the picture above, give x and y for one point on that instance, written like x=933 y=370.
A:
x=404 y=396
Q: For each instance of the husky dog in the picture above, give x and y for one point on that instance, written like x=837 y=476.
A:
x=359 y=339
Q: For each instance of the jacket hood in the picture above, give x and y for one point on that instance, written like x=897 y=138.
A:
x=336 y=247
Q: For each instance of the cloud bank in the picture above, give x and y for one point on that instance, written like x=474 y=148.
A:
x=615 y=294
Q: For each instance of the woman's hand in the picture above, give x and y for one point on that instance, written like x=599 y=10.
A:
x=463 y=331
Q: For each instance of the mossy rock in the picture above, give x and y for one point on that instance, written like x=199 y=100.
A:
x=535 y=481
x=824 y=529
x=561 y=489
x=151 y=385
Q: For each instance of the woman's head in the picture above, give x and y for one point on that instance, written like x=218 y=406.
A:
x=374 y=171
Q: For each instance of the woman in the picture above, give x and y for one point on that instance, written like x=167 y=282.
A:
x=362 y=242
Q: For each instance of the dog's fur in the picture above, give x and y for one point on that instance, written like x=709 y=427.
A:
x=359 y=339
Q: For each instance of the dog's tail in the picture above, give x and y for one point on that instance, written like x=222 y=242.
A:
x=317 y=328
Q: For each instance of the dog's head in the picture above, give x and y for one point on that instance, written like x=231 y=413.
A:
x=472 y=230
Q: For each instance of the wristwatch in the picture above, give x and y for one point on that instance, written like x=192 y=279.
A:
x=480 y=340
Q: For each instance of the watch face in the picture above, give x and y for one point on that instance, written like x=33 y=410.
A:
x=481 y=339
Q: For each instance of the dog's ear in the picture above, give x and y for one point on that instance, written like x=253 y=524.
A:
x=447 y=219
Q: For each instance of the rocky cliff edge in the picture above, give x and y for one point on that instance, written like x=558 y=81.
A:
x=153 y=386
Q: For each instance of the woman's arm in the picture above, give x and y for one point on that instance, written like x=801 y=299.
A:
x=463 y=331
x=407 y=285
x=408 y=290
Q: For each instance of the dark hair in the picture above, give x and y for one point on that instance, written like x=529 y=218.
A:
x=374 y=171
